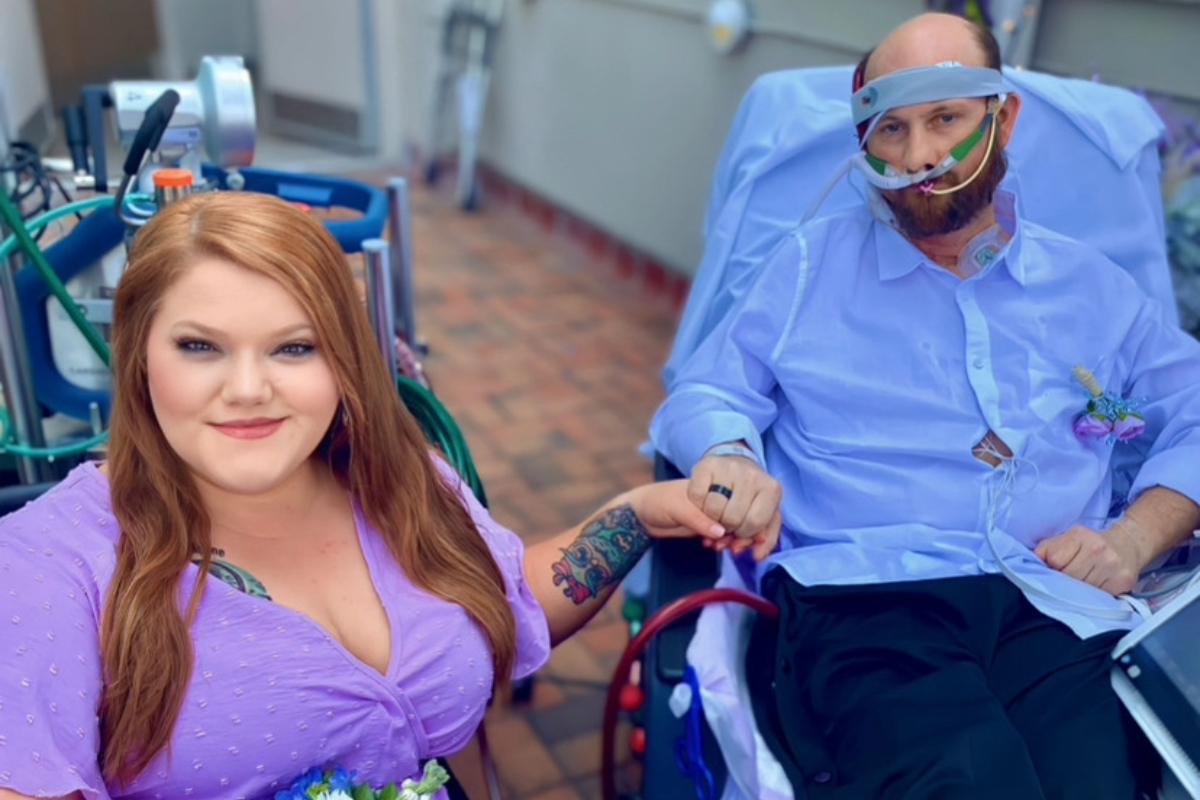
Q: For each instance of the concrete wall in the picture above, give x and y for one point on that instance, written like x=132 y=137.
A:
x=24 y=89
x=1151 y=44
x=616 y=109
x=189 y=30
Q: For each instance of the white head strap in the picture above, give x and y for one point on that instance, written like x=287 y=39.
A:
x=928 y=84
x=907 y=87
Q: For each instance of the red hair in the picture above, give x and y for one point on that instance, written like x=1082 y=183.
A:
x=378 y=453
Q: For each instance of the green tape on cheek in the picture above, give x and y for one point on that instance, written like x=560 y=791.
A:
x=960 y=150
x=877 y=164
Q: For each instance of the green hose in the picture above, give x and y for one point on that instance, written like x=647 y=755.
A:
x=27 y=451
x=442 y=431
x=435 y=421
x=21 y=238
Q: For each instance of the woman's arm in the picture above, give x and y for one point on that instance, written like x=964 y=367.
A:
x=573 y=574
x=5 y=794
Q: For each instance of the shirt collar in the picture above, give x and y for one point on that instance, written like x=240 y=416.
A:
x=896 y=256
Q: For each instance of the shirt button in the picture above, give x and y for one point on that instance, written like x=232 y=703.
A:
x=977 y=363
x=822 y=777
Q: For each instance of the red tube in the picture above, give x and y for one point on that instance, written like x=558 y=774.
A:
x=655 y=623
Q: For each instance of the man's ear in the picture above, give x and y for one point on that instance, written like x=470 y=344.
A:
x=1007 y=116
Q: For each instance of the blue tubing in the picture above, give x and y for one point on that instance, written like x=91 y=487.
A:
x=322 y=192
x=102 y=230
x=91 y=238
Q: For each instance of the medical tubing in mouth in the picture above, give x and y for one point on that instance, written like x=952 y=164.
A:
x=21 y=238
x=987 y=154
x=880 y=175
x=883 y=176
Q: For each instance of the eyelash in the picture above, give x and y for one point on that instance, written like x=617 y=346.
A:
x=295 y=350
x=893 y=128
x=194 y=346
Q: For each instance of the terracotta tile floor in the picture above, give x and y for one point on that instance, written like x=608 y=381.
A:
x=549 y=360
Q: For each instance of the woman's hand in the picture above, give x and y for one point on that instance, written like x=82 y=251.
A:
x=666 y=512
x=574 y=573
x=669 y=509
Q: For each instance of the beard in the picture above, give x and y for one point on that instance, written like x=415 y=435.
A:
x=921 y=216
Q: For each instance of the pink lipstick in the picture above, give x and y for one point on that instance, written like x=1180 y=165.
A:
x=259 y=428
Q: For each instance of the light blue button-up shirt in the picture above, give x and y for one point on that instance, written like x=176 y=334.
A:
x=864 y=375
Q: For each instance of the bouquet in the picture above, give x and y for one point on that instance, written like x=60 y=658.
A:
x=338 y=784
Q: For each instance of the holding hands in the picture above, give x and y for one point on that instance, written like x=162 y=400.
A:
x=743 y=498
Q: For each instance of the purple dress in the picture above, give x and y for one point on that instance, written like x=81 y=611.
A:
x=271 y=694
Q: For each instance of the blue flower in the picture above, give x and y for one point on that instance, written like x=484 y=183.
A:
x=299 y=790
x=340 y=780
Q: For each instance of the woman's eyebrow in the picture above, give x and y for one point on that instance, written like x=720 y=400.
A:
x=206 y=330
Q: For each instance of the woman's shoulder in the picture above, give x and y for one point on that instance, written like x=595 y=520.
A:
x=71 y=525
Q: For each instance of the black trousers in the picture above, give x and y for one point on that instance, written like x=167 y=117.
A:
x=925 y=690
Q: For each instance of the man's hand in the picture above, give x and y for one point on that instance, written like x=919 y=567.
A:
x=734 y=491
x=1110 y=559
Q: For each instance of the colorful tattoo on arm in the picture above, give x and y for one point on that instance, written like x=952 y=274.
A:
x=605 y=551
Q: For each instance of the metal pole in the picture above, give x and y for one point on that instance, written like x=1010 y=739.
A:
x=379 y=301
x=17 y=381
x=400 y=235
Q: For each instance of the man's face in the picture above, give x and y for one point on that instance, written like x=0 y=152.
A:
x=916 y=138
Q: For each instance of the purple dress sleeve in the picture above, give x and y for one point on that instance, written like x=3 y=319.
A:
x=533 y=631
x=53 y=558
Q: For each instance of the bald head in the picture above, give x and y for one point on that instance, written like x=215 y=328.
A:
x=931 y=39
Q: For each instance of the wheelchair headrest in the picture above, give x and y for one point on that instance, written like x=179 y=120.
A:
x=1082 y=159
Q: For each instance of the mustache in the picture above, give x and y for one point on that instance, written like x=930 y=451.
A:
x=921 y=215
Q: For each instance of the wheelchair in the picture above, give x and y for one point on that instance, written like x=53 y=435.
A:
x=1083 y=160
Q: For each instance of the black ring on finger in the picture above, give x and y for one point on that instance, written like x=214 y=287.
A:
x=724 y=491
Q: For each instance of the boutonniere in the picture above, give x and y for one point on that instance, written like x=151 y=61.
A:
x=1107 y=415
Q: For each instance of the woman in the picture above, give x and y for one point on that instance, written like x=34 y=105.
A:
x=366 y=604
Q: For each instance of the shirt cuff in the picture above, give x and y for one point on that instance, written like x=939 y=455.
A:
x=736 y=450
x=1173 y=469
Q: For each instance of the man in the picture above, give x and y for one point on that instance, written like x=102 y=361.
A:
x=904 y=376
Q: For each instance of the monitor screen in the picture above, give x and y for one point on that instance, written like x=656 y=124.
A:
x=1165 y=668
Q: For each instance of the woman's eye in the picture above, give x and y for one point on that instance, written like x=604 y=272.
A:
x=947 y=119
x=194 y=346
x=297 y=349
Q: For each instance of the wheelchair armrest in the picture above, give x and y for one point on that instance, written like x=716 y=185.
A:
x=678 y=567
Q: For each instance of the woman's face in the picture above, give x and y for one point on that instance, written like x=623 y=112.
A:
x=239 y=384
